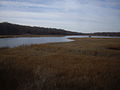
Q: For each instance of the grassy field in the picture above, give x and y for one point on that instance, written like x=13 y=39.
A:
x=84 y=64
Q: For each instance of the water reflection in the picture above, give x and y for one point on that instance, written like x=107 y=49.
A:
x=13 y=42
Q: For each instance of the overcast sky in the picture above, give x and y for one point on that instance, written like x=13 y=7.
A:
x=74 y=15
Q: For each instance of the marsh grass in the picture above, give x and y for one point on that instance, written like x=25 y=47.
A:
x=84 y=64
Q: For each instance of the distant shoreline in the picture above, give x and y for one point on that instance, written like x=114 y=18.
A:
x=15 y=36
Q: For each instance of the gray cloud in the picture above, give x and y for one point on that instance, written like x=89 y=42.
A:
x=75 y=15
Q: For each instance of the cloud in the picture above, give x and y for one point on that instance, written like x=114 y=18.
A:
x=76 y=15
x=23 y=4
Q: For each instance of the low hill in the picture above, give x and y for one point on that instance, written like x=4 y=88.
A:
x=106 y=34
x=14 y=29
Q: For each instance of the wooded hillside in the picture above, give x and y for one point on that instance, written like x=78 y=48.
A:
x=14 y=29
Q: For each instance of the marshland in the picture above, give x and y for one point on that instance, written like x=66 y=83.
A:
x=59 y=44
x=82 y=64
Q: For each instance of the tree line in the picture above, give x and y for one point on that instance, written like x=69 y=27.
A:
x=14 y=29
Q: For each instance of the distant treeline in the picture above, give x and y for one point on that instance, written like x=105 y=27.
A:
x=14 y=29
x=106 y=34
x=103 y=34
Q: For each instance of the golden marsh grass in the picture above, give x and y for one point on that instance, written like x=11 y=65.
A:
x=83 y=64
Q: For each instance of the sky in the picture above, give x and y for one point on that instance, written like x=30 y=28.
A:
x=73 y=15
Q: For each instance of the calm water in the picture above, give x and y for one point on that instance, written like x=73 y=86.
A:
x=14 y=42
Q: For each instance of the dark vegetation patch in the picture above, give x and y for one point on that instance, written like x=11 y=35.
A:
x=13 y=76
x=114 y=48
